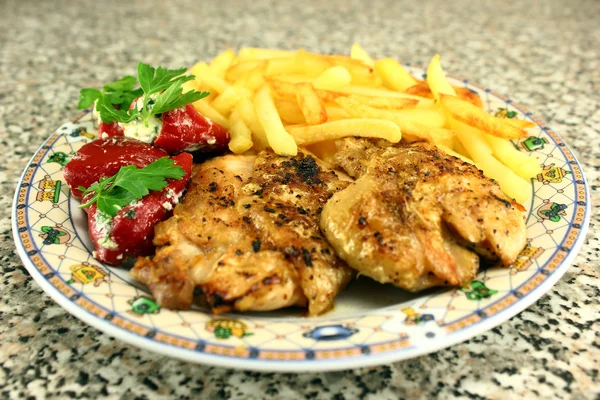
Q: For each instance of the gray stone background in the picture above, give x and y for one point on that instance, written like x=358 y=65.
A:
x=544 y=54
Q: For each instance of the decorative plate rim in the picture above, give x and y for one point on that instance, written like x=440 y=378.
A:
x=560 y=261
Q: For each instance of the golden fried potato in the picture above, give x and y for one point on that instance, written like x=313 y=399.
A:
x=374 y=128
x=241 y=135
x=358 y=53
x=394 y=75
x=333 y=78
x=436 y=79
x=279 y=139
x=221 y=63
x=311 y=105
x=473 y=116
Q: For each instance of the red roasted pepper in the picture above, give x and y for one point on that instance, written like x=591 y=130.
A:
x=104 y=157
x=109 y=129
x=185 y=129
x=130 y=232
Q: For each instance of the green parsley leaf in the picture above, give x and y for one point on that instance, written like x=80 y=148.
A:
x=173 y=98
x=164 y=85
x=156 y=80
x=131 y=184
x=124 y=84
x=87 y=97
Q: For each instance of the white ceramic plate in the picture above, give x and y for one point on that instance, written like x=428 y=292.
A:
x=372 y=324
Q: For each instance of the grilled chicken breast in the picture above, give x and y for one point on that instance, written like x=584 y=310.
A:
x=248 y=235
x=417 y=217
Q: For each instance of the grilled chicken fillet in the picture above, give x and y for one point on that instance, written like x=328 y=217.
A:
x=417 y=217
x=248 y=235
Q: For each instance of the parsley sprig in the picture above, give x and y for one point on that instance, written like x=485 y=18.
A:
x=161 y=90
x=130 y=184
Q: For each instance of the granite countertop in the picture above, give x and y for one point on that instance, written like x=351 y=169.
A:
x=545 y=54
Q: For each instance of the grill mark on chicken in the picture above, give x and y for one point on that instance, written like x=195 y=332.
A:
x=238 y=236
x=415 y=216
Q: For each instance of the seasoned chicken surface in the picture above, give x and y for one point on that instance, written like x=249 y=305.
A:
x=247 y=234
x=417 y=217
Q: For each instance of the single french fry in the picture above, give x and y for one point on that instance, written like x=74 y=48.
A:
x=241 y=135
x=279 y=139
x=420 y=89
x=289 y=111
x=473 y=116
x=358 y=53
x=412 y=130
x=236 y=71
x=374 y=128
x=207 y=77
x=204 y=108
x=387 y=103
x=225 y=102
x=246 y=111
x=479 y=151
x=394 y=75
x=254 y=53
x=511 y=184
x=436 y=79
x=523 y=165
x=519 y=123
x=333 y=78
x=311 y=105
x=474 y=136
x=379 y=92
x=468 y=95
x=221 y=63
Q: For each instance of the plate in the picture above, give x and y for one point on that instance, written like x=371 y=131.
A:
x=372 y=324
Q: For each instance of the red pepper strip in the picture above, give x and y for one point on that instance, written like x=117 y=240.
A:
x=110 y=130
x=104 y=157
x=185 y=129
x=131 y=231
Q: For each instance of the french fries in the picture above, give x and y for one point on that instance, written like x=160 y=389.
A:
x=289 y=111
x=373 y=128
x=311 y=105
x=394 y=75
x=471 y=115
x=241 y=135
x=387 y=103
x=225 y=102
x=333 y=78
x=436 y=79
x=204 y=75
x=221 y=63
x=283 y=99
x=358 y=53
x=279 y=140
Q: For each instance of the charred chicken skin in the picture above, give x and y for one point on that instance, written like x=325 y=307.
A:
x=416 y=217
x=247 y=234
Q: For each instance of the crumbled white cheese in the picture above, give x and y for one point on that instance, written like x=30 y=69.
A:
x=138 y=130
x=167 y=206
x=104 y=228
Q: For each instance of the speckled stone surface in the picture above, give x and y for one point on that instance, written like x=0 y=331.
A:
x=544 y=54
